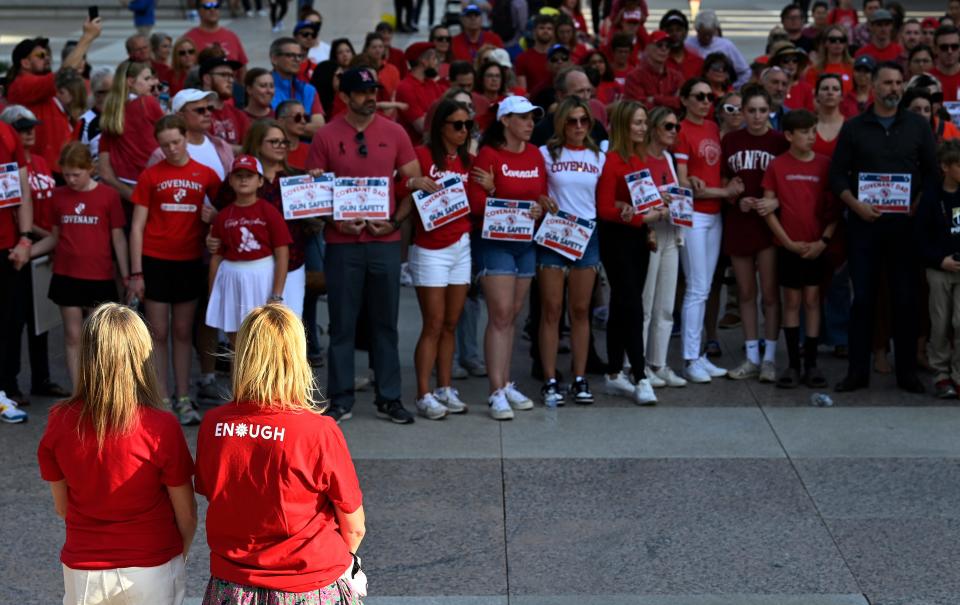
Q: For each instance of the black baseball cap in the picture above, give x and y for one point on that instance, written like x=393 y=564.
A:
x=23 y=48
x=208 y=65
x=358 y=79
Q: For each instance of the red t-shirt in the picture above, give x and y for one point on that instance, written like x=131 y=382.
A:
x=800 y=96
x=949 y=83
x=698 y=146
x=892 y=52
x=691 y=65
x=229 y=123
x=612 y=187
x=448 y=234
x=532 y=64
x=174 y=196
x=802 y=189
x=846 y=17
x=164 y=72
x=118 y=510
x=297 y=158
x=661 y=170
x=85 y=219
x=335 y=149
x=222 y=37
x=38 y=93
x=42 y=185
x=825 y=147
x=398 y=59
x=11 y=150
x=844 y=70
x=419 y=95
x=275 y=527
x=130 y=152
x=465 y=50
x=250 y=232
x=516 y=176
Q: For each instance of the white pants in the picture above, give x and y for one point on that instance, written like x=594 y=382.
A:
x=162 y=585
x=659 y=294
x=294 y=290
x=699 y=257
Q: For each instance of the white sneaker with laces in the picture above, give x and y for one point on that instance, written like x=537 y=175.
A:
x=618 y=385
x=450 y=398
x=643 y=393
x=499 y=407
x=655 y=381
x=711 y=369
x=9 y=412
x=695 y=372
x=429 y=407
x=667 y=375
x=517 y=400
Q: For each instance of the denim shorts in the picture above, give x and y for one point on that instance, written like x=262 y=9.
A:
x=590 y=259
x=508 y=258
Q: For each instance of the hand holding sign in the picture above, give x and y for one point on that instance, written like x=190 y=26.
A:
x=443 y=207
x=643 y=191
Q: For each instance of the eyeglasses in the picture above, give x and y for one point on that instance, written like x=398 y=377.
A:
x=459 y=125
x=296 y=56
x=307 y=33
x=789 y=59
x=361 y=144
x=441 y=39
x=731 y=109
x=277 y=143
x=836 y=40
x=559 y=58
x=202 y=111
x=949 y=47
x=223 y=74
x=298 y=118
x=186 y=52
x=671 y=126
x=584 y=121
x=704 y=96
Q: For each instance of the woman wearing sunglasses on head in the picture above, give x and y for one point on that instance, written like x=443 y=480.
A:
x=698 y=157
x=746 y=238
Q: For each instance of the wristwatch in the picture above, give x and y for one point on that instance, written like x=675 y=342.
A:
x=275 y=298
x=826 y=239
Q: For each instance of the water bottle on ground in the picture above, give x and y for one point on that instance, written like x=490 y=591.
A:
x=821 y=400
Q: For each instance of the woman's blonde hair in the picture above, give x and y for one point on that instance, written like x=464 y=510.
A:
x=113 y=108
x=559 y=138
x=620 y=119
x=115 y=375
x=270 y=367
x=176 y=63
x=657 y=116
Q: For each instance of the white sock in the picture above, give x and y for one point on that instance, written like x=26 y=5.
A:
x=753 y=351
x=770 y=351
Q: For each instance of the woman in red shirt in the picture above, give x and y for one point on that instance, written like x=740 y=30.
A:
x=440 y=261
x=793 y=62
x=170 y=216
x=507 y=167
x=119 y=470
x=625 y=252
x=87 y=223
x=829 y=119
x=608 y=90
x=184 y=58
x=833 y=57
x=289 y=531
x=491 y=86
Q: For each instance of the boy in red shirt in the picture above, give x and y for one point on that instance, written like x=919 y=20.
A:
x=803 y=227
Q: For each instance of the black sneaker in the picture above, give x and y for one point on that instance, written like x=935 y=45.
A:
x=550 y=394
x=394 y=412
x=581 y=392
x=338 y=413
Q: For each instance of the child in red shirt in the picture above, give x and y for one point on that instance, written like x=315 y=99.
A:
x=250 y=267
x=86 y=220
x=803 y=227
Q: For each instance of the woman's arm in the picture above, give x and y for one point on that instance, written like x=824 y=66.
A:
x=47 y=244
x=59 y=491
x=352 y=527
x=137 y=224
x=184 y=512
x=281 y=260
x=110 y=177
x=215 y=261
x=121 y=251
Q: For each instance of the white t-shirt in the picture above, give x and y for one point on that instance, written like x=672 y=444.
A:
x=572 y=179
x=319 y=53
x=206 y=154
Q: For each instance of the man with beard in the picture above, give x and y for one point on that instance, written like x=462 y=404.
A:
x=946 y=65
x=891 y=141
x=531 y=65
x=419 y=89
x=776 y=82
x=227 y=121
x=688 y=63
x=363 y=256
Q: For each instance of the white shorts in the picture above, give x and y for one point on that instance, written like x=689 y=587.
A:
x=238 y=288
x=448 y=266
x=294 y=290
x=161 y=585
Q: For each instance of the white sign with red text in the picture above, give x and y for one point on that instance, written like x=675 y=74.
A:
x=363 y=198
x=306 y=196
x=643 y=191
x=888 y=193
x=9 y=185
x=565 y=234
x=681 y=206
x=442 y=207
x=508 y=220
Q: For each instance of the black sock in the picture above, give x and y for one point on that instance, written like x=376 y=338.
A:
x=810 y=352
x=792 y=336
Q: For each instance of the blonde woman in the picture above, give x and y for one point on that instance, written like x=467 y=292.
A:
x=119 y=470
x=289 y=531
x=185 y=57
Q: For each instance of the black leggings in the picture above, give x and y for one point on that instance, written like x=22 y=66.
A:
x=403 y=9
x=624 y=253
x=278 y=10
x=431 y=12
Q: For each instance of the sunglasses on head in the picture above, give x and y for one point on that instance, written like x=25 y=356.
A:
x=202 y=111
x=671 y=126
x=704 y=96
x=361 y=144
x=582 y=121
x=949 y=47
x=730 y=108
x=459 y=125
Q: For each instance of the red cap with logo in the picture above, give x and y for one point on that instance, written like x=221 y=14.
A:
x=657 y=36
x=247 y=162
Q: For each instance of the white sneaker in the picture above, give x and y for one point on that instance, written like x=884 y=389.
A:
x=518 y=400
x=429 y=407
x=711 y=369
x=618 y=385
x=277 y=28
x=499 y=407
x=9 y=412
x=655 y=381
x=667 y=375
x=450 y=398
x=262 y=12
x=695 y=372
x=406 y=275
x=643 y=393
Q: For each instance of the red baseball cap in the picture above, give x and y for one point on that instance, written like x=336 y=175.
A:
x=416 y=49
x=658 y=36
x=930 y=23
x=247 y=162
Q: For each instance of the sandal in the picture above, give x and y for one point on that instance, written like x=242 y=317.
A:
x=789 y=379
x=814 y=378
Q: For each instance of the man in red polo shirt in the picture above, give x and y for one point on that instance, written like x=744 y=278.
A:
x=210 y=32
x=651 y=82
x=688 y=63
x=420 y=89
x=32 y=84
x=946 y=65
x=531 y=65
x=465 y=45
x=881 y=46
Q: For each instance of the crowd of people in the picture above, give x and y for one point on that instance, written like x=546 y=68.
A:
x=820 y=175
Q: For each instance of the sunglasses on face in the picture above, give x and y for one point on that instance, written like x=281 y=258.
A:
x=584 y=121
x=789 y=60
x=459 y=125
x=298 y=118
x=731 y=109
x=836 y=40
x=306 y=33
x=704 y=96
x=40 y=55
x=671 y=126
x=361 y=144
x=277 y=143
x=949 y=47
x=202 y=111
x=559 y=58
x=186 y=52
x=442 y=39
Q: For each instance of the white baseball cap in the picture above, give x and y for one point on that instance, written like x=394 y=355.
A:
x=191 y=95
x=500 y=57
x=516 y=104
